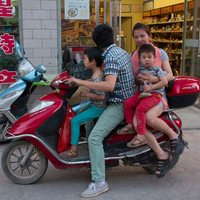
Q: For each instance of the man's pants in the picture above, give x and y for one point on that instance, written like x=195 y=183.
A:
x=109 y=119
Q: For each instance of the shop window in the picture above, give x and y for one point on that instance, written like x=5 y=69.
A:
x=9 y=33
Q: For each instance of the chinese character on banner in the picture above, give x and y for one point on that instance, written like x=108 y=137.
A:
x=7 y=43
x=7 y=76
x=6 y=8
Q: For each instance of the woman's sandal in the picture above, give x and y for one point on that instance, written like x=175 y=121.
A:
x=163 y=166
x=69 y=154
x=127 y=131
x=136 y=141
x=176 y=148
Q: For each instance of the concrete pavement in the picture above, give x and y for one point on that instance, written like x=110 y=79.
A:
x=181 y=183
x=190 y=117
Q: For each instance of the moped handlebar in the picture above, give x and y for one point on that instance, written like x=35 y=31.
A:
x=44 y=79
x=72 y=83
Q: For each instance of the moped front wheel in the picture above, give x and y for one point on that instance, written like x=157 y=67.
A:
x=3 y=122
x=31 y=171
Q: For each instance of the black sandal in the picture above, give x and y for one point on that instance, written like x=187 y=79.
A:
x=176 y=147
x=162 y=167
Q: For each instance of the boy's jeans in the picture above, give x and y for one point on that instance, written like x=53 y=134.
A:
x=109 y=119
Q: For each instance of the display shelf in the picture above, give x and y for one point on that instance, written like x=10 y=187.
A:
x=177 y=53
x=167 y=27
x=171 y=22
x=168 y=41
x=166 y=31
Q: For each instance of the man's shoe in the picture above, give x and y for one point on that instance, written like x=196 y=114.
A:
x=95 y=189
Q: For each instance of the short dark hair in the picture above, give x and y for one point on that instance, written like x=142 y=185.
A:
x=141 y=26
x=103 y=35
x=94 y=53
x=146 y=48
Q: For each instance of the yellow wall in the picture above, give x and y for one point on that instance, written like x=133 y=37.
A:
x=136 y=17
x=160 y=3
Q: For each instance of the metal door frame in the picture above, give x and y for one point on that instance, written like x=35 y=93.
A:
x=190 y=42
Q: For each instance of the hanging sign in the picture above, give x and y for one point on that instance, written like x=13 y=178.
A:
x=77 y=9
x=6 y=8
x=147 y=5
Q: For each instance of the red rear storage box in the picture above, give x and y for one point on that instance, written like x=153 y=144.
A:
x=183 y=92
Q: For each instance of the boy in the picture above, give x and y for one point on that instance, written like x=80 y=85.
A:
x=92 y=60
x=147 y=96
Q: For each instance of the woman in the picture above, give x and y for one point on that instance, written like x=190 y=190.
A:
x=142 y=35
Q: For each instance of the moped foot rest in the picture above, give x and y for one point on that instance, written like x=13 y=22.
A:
x=136 y=151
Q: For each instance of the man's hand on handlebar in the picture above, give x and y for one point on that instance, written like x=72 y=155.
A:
x=73 y=81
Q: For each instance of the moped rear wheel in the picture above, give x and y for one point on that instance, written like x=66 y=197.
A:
x=151 y=168
x=34 y=168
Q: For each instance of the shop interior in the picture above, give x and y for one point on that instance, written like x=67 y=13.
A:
x=164 y=18
x=171 y=30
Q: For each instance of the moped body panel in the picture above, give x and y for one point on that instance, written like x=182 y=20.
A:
x=16 y=90
x=28 y=123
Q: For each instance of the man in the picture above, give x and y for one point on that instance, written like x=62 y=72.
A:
x=119 y=81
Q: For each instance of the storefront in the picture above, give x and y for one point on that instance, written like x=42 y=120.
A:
x=75 y=22
x=165 y=19
x=49 y=27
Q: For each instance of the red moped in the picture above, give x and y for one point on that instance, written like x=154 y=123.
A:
x=36 y=134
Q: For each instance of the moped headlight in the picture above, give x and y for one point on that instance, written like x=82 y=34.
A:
x=22 y=73
x=9 y=95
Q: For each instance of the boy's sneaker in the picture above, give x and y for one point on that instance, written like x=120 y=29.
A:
x=95 y=189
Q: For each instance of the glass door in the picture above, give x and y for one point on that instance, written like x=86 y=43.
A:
x=115 y=23
x=191 y=42
x=191 y=49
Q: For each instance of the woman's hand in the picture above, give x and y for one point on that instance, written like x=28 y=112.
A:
x=147 y=88
x=146 y=76
x=84 y=93
x=142 y=77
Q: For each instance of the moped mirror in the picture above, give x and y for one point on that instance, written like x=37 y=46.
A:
x=18 y=49
x=41 y=69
